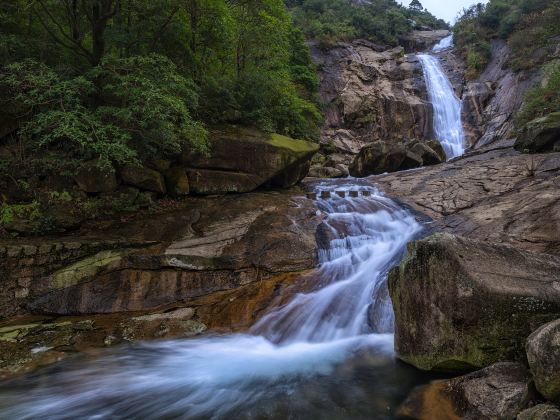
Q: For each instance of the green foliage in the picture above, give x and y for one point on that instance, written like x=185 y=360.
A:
x=378 y=20
x=543 y=99
x=528 y=25
x=9 y=212
x=145 y=77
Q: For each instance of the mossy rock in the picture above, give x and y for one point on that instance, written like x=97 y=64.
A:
x=540 y=135
x=462 y=304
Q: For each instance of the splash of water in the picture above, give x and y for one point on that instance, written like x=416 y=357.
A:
x=345 y=312
x=447 y=107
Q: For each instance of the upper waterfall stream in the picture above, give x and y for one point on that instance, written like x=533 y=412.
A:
x=327 y=353
x=448 y=126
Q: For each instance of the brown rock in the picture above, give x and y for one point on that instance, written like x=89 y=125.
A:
x=176 y=181
x=543 y=354
x=93 y=179
x=143 y=178
x=463 y=304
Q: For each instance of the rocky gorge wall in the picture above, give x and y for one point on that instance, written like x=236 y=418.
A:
x=371 y=92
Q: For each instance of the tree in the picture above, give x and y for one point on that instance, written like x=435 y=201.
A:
x=416 y=6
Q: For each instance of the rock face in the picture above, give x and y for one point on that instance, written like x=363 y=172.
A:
x=206 y=246
x=540 y=412
x=463 y=304
x=493 y=98
x=540 y=135
x=242 y=159
x=498 y=196
x=500 y=391
x=543 y=354
x=372 y=93
x=380 y=157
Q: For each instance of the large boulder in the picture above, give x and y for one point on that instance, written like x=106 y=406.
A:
x=93 y=178
x=463 y=304
x=380 y=157
x=243 y=159
x=540 y=135
x=377 y=158
x=543 y=354
x=143 y=178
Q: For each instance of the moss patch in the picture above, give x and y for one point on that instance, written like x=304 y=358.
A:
x=85 y=269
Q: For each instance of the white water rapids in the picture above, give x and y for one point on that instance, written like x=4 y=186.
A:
x=448 y=126
x=301 y=360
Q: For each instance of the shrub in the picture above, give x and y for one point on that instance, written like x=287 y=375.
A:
x=543 y=99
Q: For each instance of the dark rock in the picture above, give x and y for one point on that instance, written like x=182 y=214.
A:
x=212 y=181
x=325 y=172
x=143 y=178
x=243 y=159
x=411 y=161
x=499 y=391
x=543 y=354
x=427 y=155
x=176 y=181
x=540 y=412
x=93 y=179
x=462 y=304
x=438 y=148
x=540 y=135
x=145 y=199
x=377 y=158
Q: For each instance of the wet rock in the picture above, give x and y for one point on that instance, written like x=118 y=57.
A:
x=93 y=179
x=543 y=354
x=438 y=149
x=176 y=181
x=242 y=159
x=177 y=323
x=143 y=178
x=540 y=135
x=499 y=391
x=540 y=412
x=463 y=304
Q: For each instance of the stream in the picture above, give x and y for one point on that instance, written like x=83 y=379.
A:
x=327 y=353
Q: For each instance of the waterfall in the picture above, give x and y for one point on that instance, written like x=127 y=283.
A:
x=295 y=361
x=448 y=126
x=444 y=44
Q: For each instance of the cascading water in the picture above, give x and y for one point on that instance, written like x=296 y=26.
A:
x=444 y=44
x=448 y=126
x=327 y=353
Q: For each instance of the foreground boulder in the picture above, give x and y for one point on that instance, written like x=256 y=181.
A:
x=543 y=354
x=540 y=135
x=381 y=157
x=463 y=304
x=243 y=159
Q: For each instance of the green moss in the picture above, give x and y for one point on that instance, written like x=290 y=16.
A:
x=85 y=269
x=297 y=146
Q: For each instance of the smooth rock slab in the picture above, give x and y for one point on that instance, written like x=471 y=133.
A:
x=462 y=304
x=543 y=354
